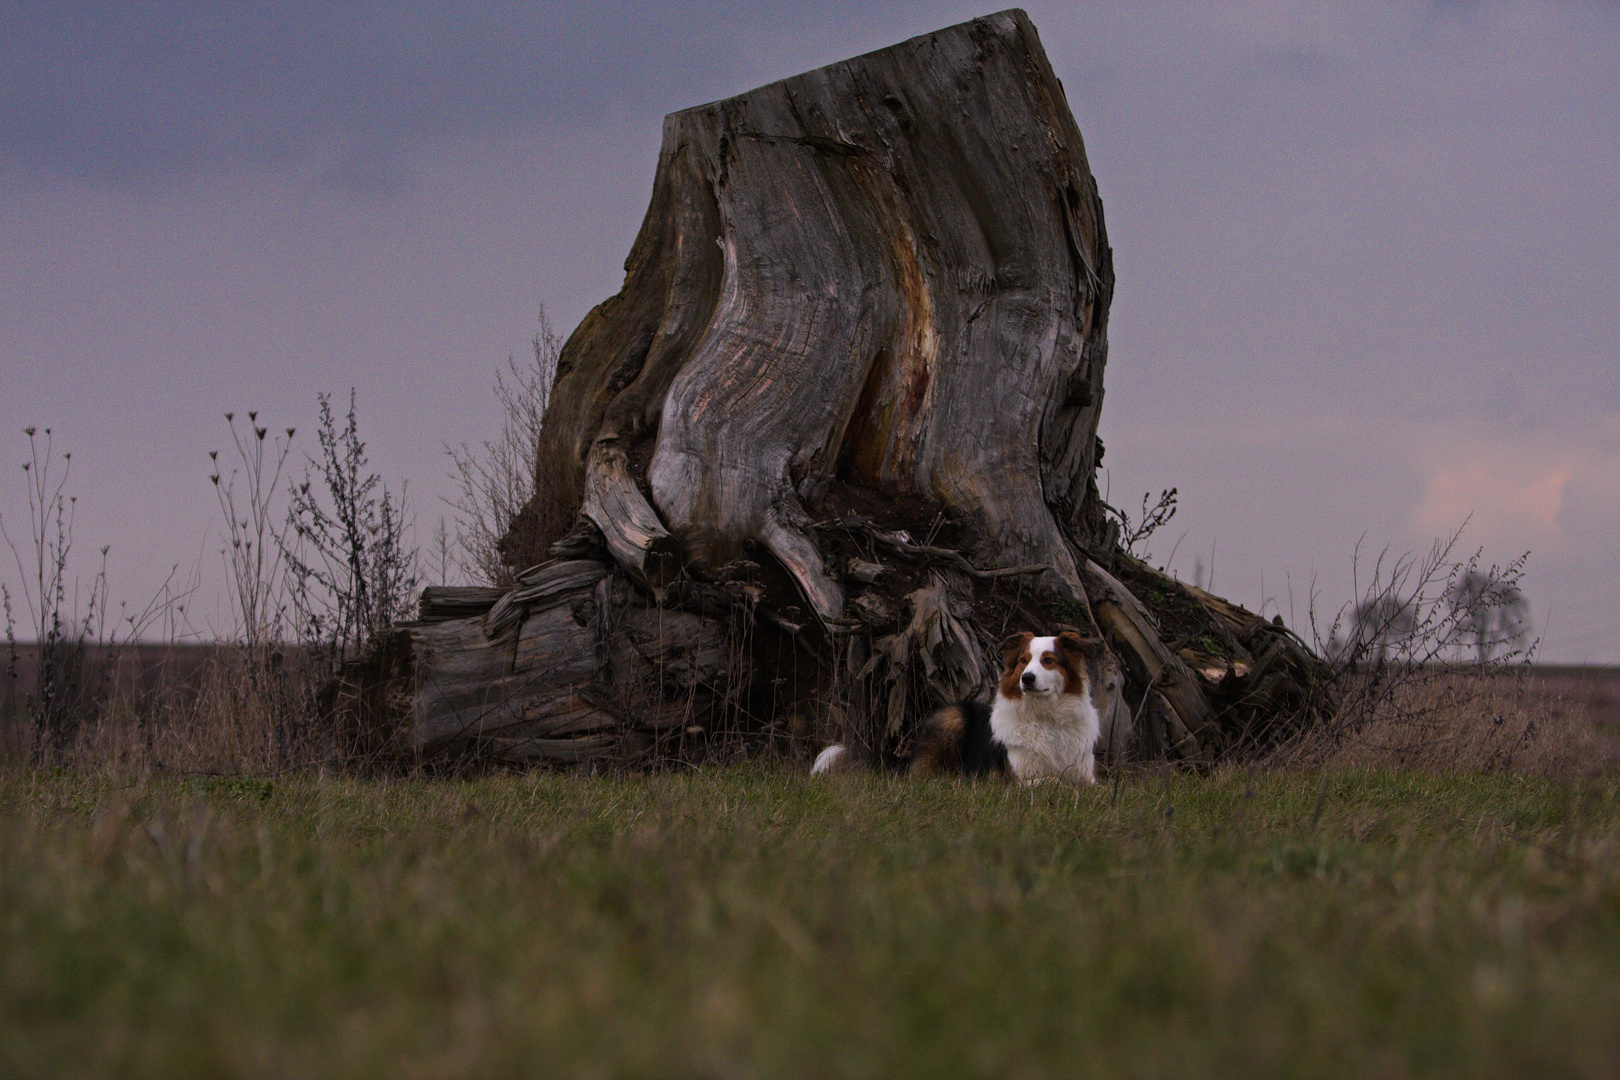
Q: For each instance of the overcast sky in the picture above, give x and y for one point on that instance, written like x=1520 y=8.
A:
x=1367 y=253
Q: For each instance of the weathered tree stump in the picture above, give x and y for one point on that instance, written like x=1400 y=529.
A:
x=833 y=439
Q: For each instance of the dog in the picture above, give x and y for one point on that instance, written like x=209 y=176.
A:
x=1042 y=726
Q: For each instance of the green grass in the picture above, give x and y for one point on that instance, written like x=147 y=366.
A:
x=748 y=922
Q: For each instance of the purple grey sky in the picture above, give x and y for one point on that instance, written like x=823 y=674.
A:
x=1368 y=253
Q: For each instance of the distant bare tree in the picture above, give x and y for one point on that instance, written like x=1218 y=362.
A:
x=496 y=479
x=1379 y=624
x=1490 y=610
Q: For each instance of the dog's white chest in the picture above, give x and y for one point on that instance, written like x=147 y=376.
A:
x=1047 y=737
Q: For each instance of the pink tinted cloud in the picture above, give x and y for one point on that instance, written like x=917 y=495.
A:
x=1516 y=487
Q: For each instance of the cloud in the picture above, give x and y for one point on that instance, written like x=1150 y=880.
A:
x=1542 y=488
x=160 y=94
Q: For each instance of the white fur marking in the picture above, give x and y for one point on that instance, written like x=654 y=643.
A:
x=827 y=760
x=1046 y=680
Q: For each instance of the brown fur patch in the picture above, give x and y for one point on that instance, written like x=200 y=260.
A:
x=1079 y=656
x=1014 y=655
x=939 y=742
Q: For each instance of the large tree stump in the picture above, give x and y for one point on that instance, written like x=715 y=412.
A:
x=847 y=397
x=892 y=271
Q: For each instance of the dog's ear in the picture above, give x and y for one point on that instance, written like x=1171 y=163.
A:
x=1070 y=641
x=1014 y=647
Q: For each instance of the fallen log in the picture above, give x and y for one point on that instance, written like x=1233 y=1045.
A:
x=571 y=665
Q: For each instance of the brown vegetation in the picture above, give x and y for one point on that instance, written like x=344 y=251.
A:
x=184 y=708
x=1516 y=720
x=192 y=709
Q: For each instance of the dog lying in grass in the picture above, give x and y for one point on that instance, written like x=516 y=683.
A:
x=1043 y=724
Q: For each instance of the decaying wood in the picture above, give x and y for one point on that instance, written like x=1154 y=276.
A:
x=868 y=305
x=1130 y=628
x=631 y=529
x=441 y=602
x=570 y=665
x=891 y=271
x=540 y=584
x=935 y=656
x=470 y=685
x=900 y=543
x=1118 y=732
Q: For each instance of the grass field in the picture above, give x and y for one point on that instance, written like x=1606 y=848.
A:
x=747 y=922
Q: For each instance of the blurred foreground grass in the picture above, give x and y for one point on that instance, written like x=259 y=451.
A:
x=747 y=922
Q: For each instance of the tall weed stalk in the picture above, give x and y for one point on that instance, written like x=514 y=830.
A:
x=253 y=556
x=59 y=627
x=75 y=643
x=247 y=697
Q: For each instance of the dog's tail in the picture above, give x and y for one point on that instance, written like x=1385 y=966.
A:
x=834 y=759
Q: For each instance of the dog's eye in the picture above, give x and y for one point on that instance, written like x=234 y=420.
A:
x=1047 y=661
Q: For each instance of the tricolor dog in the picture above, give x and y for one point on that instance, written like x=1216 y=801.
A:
x=1042 y=725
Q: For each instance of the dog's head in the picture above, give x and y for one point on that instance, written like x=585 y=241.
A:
x=1048 y=666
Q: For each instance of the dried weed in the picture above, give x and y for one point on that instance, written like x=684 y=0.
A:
x=1446 y=721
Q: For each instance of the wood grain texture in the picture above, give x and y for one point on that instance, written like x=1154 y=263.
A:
x=571 y=653
x=634 y=536
x=441 y=602
x=892 y=270
x=1131 y=632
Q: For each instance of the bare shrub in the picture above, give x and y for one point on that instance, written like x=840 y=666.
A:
x=1133 y=536
x=352 y=570
x=1404 y=690
x=310 y=581
x=496 y=481
x=439 y=564
x=1417 y=612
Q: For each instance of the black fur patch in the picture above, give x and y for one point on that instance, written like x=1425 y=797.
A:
x=957 y=739
x=982 y=753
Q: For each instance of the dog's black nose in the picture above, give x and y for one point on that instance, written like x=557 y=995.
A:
x=1029 y=680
